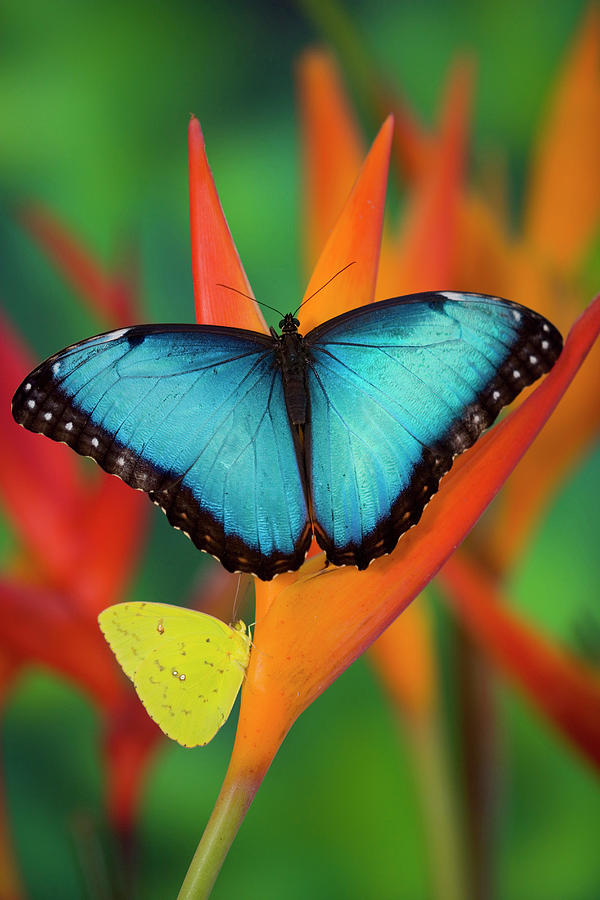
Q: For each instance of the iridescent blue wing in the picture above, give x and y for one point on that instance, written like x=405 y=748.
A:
x=193 y=415
x=397 y=389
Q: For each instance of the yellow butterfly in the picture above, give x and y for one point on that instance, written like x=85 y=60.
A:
x=186 y=666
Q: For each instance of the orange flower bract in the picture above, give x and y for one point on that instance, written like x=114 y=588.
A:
x=311 y=625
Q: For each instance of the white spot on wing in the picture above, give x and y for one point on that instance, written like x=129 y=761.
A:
x=56 y=367
x=516 y=315
x=28 y=386
x=69 y=426
x=115 y=335
x=121 y=461
x=516 y=374
x=31 y=404
x=533 y=360
x=545 y=345
x=95 y=442
x=496 y=395
x=47 y=416
x=546 y=327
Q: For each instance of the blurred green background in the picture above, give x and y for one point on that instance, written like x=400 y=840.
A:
x=94 y=102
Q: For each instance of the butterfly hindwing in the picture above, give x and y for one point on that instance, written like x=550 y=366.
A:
x=397 y=389
x=195 y=416
x=187 y=667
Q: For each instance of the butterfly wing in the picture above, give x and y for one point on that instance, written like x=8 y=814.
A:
x=187 y=667
x=397 y=389
x=194 y=416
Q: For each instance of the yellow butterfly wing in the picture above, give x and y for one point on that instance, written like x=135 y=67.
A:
x=187 y=667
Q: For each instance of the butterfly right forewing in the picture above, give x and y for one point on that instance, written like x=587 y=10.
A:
x=398 y=389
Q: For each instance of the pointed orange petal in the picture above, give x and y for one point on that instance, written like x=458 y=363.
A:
x=332 y=147
x=356 y=239
x=403 y=657
x=563 y=205
x=423 y=257
x=565 y=690
x=215 y=259
x=109 y=296
x=320 y=622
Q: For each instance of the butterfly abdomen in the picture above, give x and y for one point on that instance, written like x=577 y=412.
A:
x=292 y=359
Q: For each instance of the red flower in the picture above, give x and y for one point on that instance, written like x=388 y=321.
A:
x=79 y=541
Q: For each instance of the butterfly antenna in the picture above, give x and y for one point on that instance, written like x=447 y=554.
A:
x=235 y=599
x=248 y=297
x=325 y=285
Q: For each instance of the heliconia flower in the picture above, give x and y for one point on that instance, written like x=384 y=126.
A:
x=312 y=624
x=79 y=542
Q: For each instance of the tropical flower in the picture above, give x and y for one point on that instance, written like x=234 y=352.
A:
x=79 y=542
x=311 y=625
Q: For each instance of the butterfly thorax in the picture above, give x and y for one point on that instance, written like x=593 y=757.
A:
x=291 y=356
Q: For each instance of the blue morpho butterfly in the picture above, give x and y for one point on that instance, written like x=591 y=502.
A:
x=250 y=442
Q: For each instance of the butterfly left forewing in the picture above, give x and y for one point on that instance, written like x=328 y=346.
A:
x=397 y=389
x=195 y=417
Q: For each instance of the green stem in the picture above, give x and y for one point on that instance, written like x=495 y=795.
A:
x=232 y=805
x=438 y=805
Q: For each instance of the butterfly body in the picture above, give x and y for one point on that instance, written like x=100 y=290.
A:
x=252 y=442
x=186 y=666
x=292 y=357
